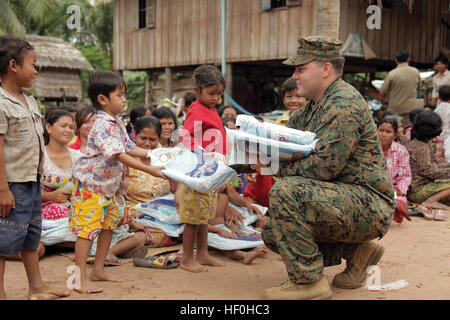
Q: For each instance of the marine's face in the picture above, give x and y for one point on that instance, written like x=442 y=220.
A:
x=309 y=77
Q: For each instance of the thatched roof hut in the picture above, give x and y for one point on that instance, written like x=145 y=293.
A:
x=59 y=65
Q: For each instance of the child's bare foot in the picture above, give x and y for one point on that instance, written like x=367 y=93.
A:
x=103 y=276
x=47 y=293
x=206 y=259
x=87 y=288
x=192 y=266
x=252 y=255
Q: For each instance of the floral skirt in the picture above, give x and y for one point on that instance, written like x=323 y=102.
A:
x=428 y=190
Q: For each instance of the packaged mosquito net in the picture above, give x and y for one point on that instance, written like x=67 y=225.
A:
x=56 y=231
x=251 y=239
x=273 y=131
x=192 y=168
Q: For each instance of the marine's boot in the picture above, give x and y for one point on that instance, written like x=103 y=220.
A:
x=363 y=255
x=288 y=290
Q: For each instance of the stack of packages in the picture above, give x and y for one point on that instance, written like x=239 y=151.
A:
x=269 y=140
x=162 y=213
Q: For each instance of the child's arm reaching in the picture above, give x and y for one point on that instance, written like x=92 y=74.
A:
x=129 y=161
x=139 y=152
x=7 y=201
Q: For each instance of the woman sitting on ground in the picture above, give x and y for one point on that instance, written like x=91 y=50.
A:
x=397 y=158
x=84 y=120
x=424 y=189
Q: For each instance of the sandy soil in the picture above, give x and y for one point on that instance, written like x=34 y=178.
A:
x=417 y=251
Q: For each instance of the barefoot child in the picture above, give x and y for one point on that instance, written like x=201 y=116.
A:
x=21 y=159
x=98 y=204
x=197 y=208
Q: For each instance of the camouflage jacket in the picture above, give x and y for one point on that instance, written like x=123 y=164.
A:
x=348 y=150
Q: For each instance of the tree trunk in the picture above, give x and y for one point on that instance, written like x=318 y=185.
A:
x=327 y=18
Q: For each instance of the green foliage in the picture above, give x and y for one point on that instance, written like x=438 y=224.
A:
x=135 y=88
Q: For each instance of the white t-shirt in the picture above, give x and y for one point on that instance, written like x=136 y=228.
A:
x=54 y=177
x=444 y=112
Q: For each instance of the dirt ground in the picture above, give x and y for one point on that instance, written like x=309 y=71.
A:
x=417 y=251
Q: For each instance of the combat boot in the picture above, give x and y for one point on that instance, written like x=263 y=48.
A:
x=363 y=255
x=319 y=290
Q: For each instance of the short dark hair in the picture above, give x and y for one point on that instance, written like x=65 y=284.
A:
x=135 y=114
x=82 y=116
x=207 y=75
x=444 y=93
x=150 y=122
x=427 y=126
x=103 y=82
x=389 y=119
x=288 y=85
x=430 y=106
x=164 y=112
x=441 y=58
x=189 y=97
x=402 y=56
x=51 y=116
x=337 y=63
x=12 y=48
x=413 y=114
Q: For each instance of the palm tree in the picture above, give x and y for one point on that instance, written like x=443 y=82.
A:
x=19 y=16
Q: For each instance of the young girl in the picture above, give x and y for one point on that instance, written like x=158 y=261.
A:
x=197 y=208
x=21 y=149
x=98 y=204
x=84 y=120
x=397 y=158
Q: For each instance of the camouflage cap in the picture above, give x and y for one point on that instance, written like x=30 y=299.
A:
x=314 y=47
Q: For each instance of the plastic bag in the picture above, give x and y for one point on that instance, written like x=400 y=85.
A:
x=246 y=145
x=192 y=168
x=163 y=209
x=253 y=239
x=56 y=231
x=273 y=131
x=172 y=230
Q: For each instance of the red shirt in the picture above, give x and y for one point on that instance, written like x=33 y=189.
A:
x=76 y=145
x=205 y=129
x=259 y=191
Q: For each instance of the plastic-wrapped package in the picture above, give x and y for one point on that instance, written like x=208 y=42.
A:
x=273 y=131
x=163 y=209
x=192 y=168
x=245 y=144
x=252 y=239
x=56 y=231
x=172 y=230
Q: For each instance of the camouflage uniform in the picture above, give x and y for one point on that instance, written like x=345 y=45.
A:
x=323 y=206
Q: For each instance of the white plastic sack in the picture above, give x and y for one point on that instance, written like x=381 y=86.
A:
x=245 y=143
x=172 y=230
x=163 y=209
x=56 y=231
x=273 y=131
x=201 y=173
x=252 y=240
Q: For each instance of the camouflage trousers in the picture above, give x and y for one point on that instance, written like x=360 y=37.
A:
x=313 y=224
